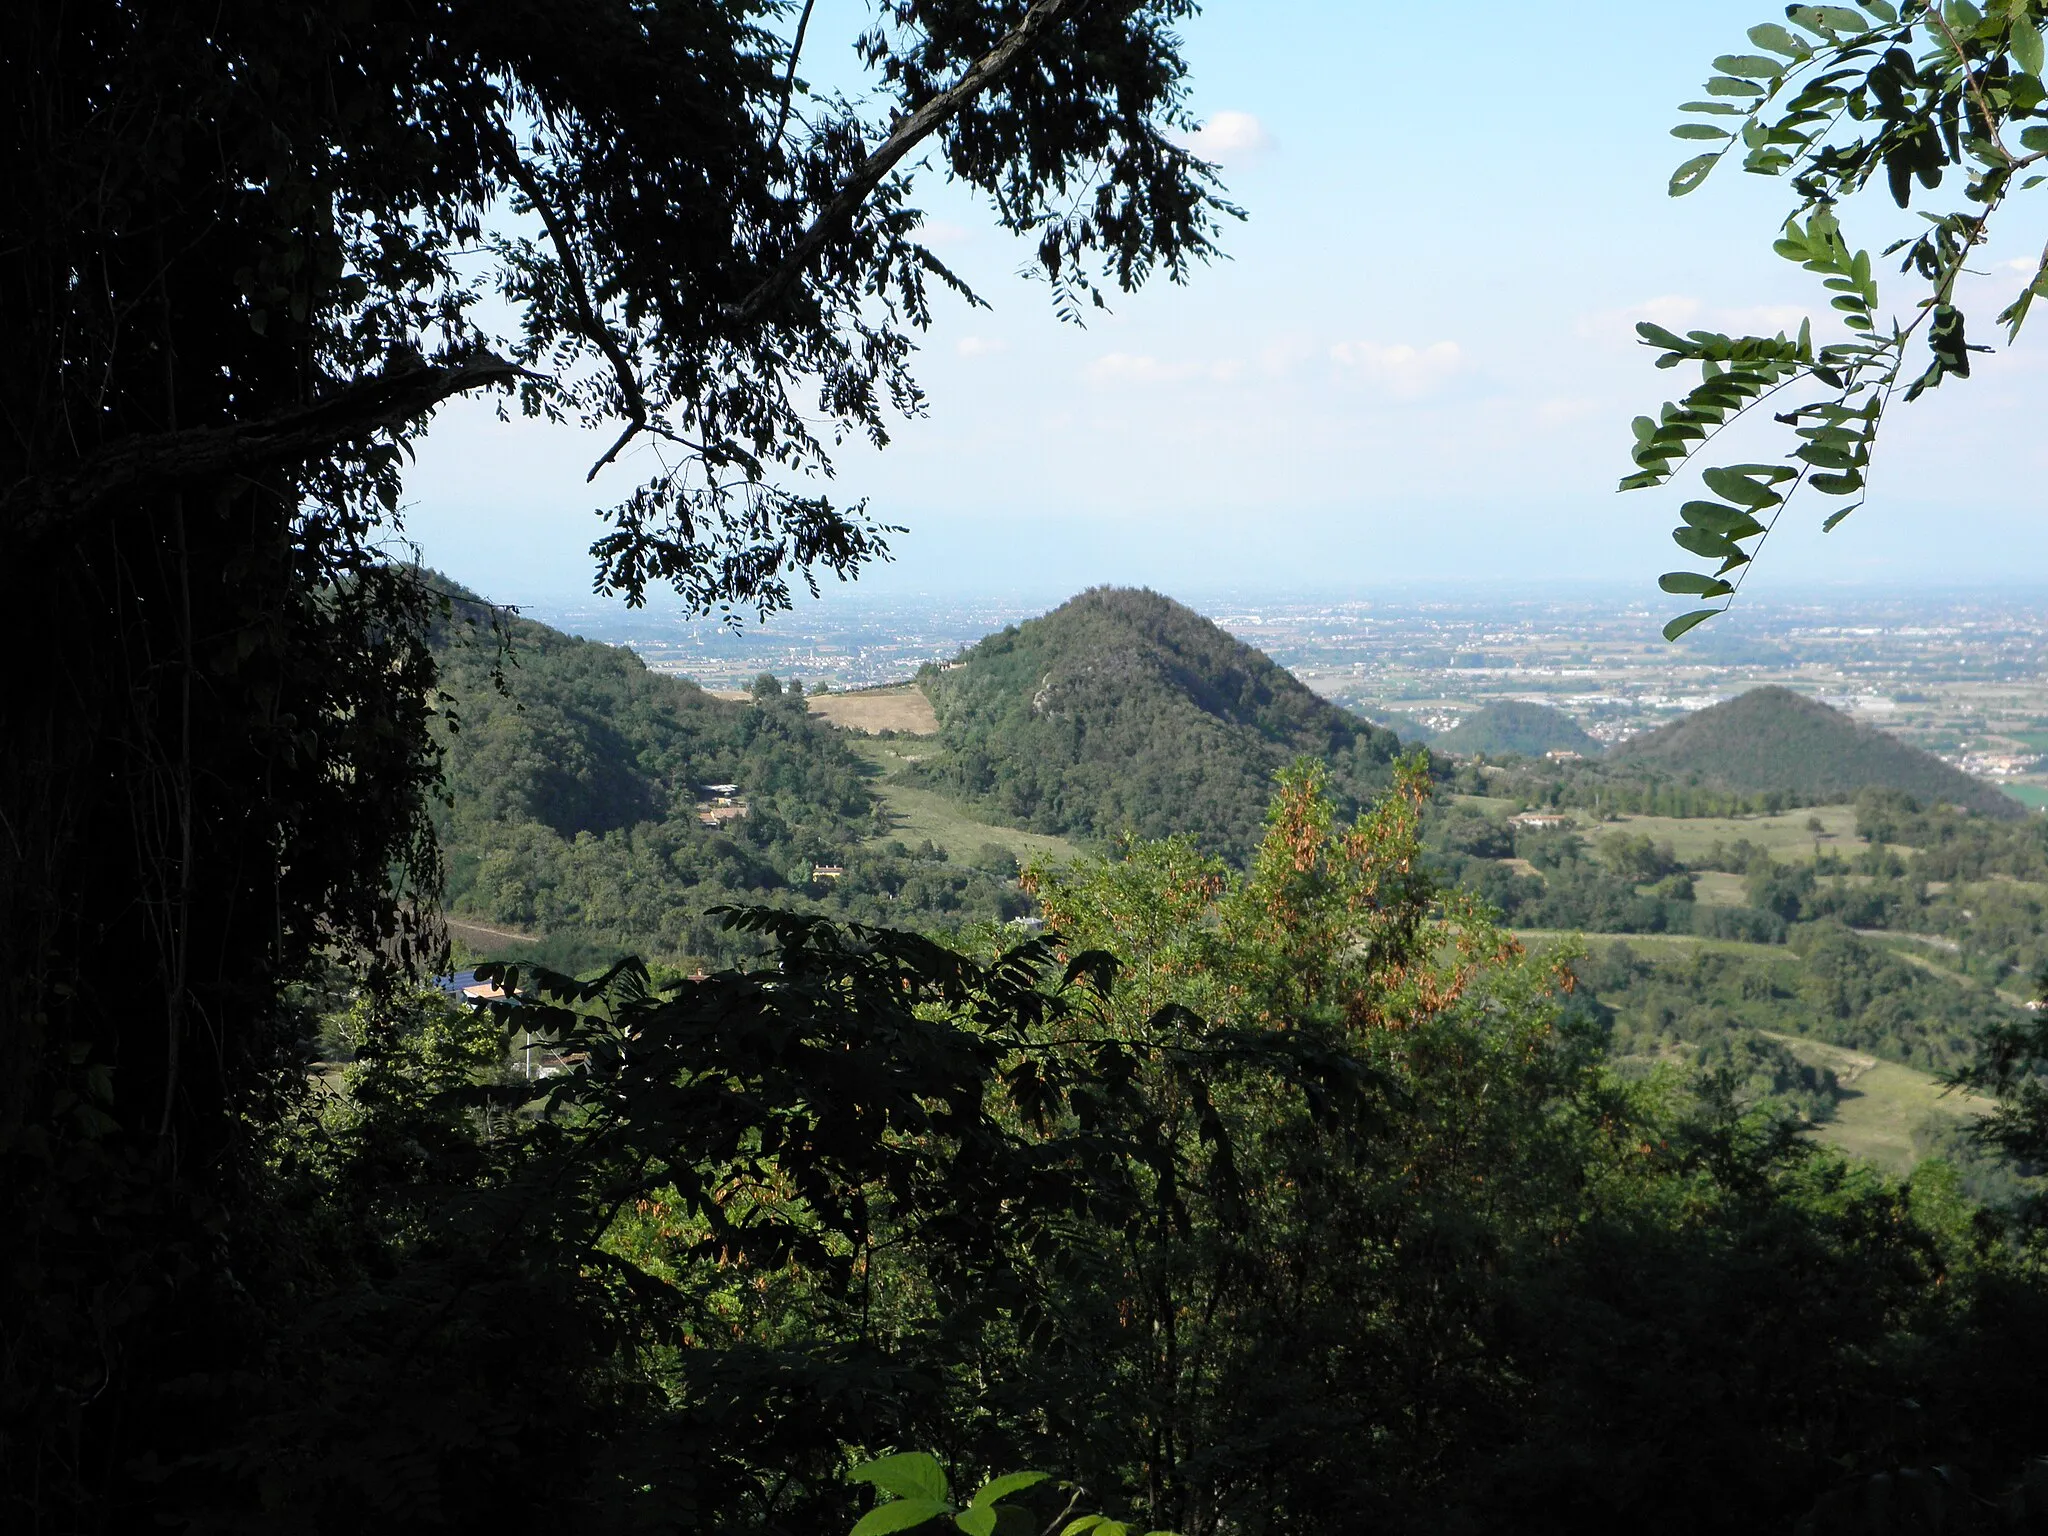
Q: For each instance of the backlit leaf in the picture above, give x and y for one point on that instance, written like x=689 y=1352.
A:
x=898 y=1515
x=1774 y=37
x=908 y=1475
x=1002 y=1487
x=1689 y=175
x=2026 y=45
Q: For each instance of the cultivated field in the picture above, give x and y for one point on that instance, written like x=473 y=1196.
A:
x=902 y=707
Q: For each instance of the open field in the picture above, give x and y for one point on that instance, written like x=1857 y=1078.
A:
x=1882 y=1104
x=902 y=708
x=1650 y=943
x=922 y=813
x=1786 y=836
x=1717 y=888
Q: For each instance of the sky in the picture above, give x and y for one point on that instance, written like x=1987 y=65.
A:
x=1417 y=364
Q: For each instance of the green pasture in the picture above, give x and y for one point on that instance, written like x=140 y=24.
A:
x=1786 y=835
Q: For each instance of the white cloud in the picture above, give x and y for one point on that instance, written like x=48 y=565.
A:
x=1403 y=371
x=1231 y=138
x=980 y=346
x=1116 y=369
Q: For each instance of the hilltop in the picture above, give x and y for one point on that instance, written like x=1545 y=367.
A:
x=1124 y=710
x=1772 y=739
x=1512 y=726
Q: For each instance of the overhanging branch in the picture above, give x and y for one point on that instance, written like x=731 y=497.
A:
x=38 y=505
x=920 y=125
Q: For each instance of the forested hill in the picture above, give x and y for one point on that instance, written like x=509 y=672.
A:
x=1774 y=739
x=575 y=792
x=1515 y=726
x=1123 y=710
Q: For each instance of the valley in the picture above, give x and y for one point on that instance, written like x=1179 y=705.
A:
x=1762 y=892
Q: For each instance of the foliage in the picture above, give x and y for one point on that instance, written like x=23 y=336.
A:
x=1843 y=97
x=1122 y=711
x=1829 y=985
x=247 y=250
x=916 y=1494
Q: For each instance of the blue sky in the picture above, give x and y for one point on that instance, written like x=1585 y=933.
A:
x=1417 y=366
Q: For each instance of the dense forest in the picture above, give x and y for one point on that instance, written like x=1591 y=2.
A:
x=1123 y=711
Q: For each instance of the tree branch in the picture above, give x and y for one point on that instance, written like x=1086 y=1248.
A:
x=984 y=72
x=38 y=505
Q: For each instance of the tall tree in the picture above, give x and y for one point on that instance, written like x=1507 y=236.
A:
x=247 y=250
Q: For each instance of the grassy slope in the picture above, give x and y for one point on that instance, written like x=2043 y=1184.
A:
x=1882 y=1104
x=923 y=813
x=1787 y=837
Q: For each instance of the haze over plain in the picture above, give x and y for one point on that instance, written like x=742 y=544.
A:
x=1417 y=365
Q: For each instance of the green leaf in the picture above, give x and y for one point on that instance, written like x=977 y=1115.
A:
x=899 y=1515
x=1700 y=131
x=1689 y=175
x=1672 y=631
x=1844 y=484
x=977 y=1522
x=2034 y=138
x=2026 y=45
x=1826 y=19
x=1698 y=541
x=908 y=1475
x=1728 y=522
x=1002 y=1487
x=1774 y=37
x=1753 y=65
x=1740 y=488
x=1082 y=1526
x=1828 y=525
x=1728 y=85
x=1693 y=584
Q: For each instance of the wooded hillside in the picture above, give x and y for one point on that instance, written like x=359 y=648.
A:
x=1775 y=739
x=1123 y=710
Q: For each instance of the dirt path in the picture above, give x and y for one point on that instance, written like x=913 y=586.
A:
x=463 y=926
